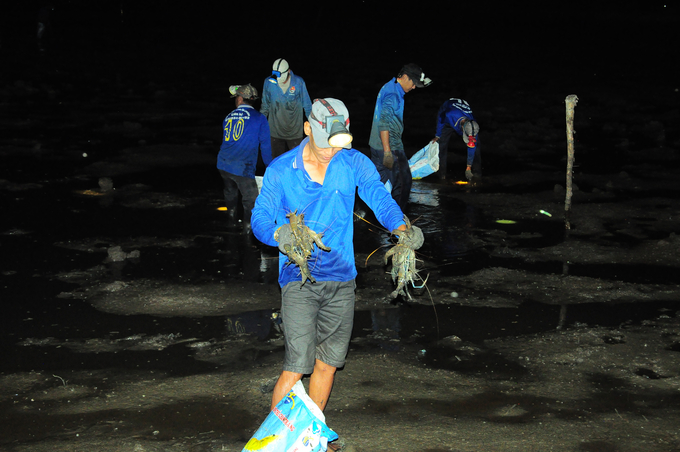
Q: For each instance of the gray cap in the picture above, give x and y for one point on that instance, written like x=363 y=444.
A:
x=470 y=128
x=245 y=91
x=323 y=109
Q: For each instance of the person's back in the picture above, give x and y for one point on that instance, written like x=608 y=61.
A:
x=455 y=116
x=245 y=131
x=451 y=112
x=245 y=135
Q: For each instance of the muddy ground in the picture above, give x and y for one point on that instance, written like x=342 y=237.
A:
x=135 y=321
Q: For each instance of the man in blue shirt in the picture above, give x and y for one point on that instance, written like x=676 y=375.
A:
x=319 y=179
x=284 y=98
x=246 y=132
x=455 y=115
x=387 y=149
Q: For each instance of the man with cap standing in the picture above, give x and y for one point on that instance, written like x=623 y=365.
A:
x=246 y=132
x=455 y=115
x=284 y=98
x=319 y=179
x=387 y=148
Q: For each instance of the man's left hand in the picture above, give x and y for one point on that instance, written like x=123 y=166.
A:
x=468 y=173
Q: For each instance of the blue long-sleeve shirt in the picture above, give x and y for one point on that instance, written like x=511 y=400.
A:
x=388 y=115
x=451 y=114
x=328 y=208
x=246 y=132
x=284 y=110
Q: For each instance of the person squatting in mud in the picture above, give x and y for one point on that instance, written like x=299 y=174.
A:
x=319 y=179
x=455 y=116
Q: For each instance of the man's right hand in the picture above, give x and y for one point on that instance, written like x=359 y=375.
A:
x=284 y=235
x=388 y=159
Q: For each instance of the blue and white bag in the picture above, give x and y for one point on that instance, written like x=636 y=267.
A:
x=296 y=424
x=425 y=162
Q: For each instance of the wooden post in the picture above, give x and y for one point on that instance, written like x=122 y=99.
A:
x=571 y=102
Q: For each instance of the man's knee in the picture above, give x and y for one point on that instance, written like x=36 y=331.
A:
x=321 y=366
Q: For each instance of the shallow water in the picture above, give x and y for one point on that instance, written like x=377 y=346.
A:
x=38 y=219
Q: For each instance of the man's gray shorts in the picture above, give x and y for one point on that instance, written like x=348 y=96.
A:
x=317 y=323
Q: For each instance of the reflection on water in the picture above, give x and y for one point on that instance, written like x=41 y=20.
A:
x=386 y=325
x=448 y=227
x=257 y=323
x=247 y=259
x=449 y=224
x=266 y=324
x=386 y=320
x=423 y=195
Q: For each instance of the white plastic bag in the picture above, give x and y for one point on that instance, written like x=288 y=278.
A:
x=425 y=162
x=388 y=186
x=296 y=424
x=258 y=181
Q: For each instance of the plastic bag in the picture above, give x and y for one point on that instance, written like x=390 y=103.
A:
x=295 y=425
x=425 y=162
x=388 y=186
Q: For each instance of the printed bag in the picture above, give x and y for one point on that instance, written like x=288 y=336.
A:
x=295 y=425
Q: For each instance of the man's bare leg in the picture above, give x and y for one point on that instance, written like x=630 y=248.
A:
x=321 y=383
x=284 y=384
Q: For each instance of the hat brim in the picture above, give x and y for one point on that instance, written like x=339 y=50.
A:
x=415 y=78
x=321 y=137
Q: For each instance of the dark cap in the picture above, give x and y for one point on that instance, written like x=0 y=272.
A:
x=416 y=74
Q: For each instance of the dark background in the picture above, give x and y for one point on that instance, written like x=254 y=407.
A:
x=350 y=49
x=464 y=40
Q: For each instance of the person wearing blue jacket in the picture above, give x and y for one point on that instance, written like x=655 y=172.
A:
x=284 y=99
x=319 y=179
x=455 y=115
x=387 y=148
x=246 y=133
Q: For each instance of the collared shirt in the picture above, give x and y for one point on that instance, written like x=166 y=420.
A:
x=327 y=209
x=246 y=132
x=388 y=115
x=284 y=110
